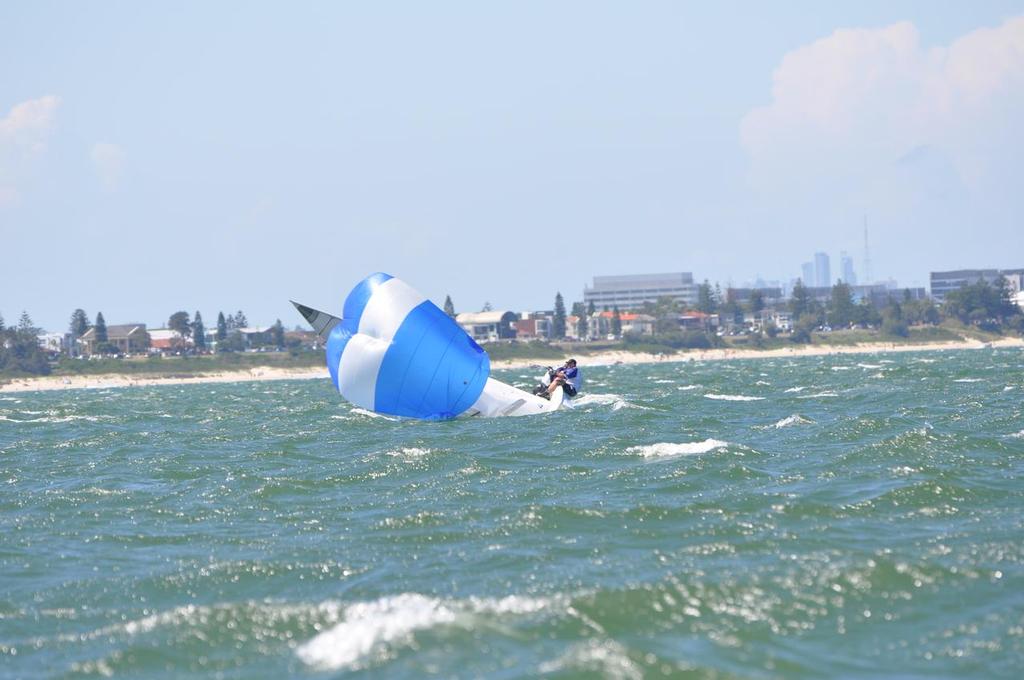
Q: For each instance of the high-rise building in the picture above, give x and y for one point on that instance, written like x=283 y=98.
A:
x=632 y=291
x=846 y=265
x=807 y=271
x=822 y=272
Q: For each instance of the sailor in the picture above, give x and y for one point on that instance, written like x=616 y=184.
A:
x=568 y=376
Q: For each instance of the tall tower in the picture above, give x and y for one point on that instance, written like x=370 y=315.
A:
x=867 y=254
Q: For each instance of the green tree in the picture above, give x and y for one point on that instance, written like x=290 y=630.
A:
x=19 y=348
x=101 y=330
x=199 y=331
x=558 y=322
x=179 y=322
x=487 y=307
x=278 y=332
x=591 y=309
x=449 y=306
x=756 y=302
x=616 y=322
x=2 y=326
x=580 y=312
x=841 y=310
x=240 y=320
x=222 y=327
x=706 y=298
x=666 y=315
x=730 y=311
x=79 y=324
x=892 y=320
x=800 y=300
x=803 y=328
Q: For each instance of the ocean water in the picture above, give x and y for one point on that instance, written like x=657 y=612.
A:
x=847 y=516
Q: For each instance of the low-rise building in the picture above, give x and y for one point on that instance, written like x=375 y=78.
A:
x=167 y=340
x=129 y=338
x=489 y=326
x=533 y=326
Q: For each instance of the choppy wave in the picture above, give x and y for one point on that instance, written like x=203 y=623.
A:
x=390 y=621
x=795 y=419
x=666 y=449
x=732 y=397
x=613 y=400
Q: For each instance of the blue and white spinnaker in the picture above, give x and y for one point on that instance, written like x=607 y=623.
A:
x=395 y=352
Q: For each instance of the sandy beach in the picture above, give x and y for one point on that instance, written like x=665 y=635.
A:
x=119 y=380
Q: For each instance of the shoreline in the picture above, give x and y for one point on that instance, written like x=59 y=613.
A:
x=262 y=373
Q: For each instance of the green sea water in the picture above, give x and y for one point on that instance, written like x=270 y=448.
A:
x=845 y=516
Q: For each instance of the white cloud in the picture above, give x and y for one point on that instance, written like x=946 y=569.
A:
x=109 y=160
x=24 y=134
x=847 y=108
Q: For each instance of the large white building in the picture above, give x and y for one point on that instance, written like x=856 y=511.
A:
x=946 y=282
x=631 y=291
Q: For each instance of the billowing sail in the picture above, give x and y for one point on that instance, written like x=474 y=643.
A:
x=394 y=352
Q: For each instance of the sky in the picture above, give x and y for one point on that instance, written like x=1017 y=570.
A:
x=157 y=157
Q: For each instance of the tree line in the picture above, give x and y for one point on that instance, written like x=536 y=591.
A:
x=984 y=305
x=21 y=352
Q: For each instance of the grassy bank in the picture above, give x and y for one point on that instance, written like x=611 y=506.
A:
x=188 y=365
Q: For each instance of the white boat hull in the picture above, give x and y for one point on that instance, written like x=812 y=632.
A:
x=500 y=399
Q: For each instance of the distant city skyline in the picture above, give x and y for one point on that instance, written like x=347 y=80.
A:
x=212 y=156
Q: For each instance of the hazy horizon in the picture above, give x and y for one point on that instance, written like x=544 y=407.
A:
x=164 y=158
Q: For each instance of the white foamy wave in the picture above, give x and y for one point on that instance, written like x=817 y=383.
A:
x=871 y=366
x=841 y=368
x=613 y=400
x=732 y=397
x=368 y=626
x=54 y=419
x=1007 y=388
x=666 y=449
x=762 y=382
x=817 y=395
x=665 y=382
x=796 y=389
x=1017 y=435
x=795 y=419
x=687 y=388
x=969 y=380
x=607 y=659
x=410 y=452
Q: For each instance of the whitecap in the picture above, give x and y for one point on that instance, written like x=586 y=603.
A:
x=665 y=382
x=969 y=380
x=1007 y=388
x=795 y=419
x=602 y=658
x=410 y=452
x=871 y=366
x=667 y=449
x=795 y=389
x=762 y=382
x=391 y=620
x=817 y=395
x=732 y=397
x=842 y=368
x=687 y=388
x=1018 y=435
x=613 y=400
